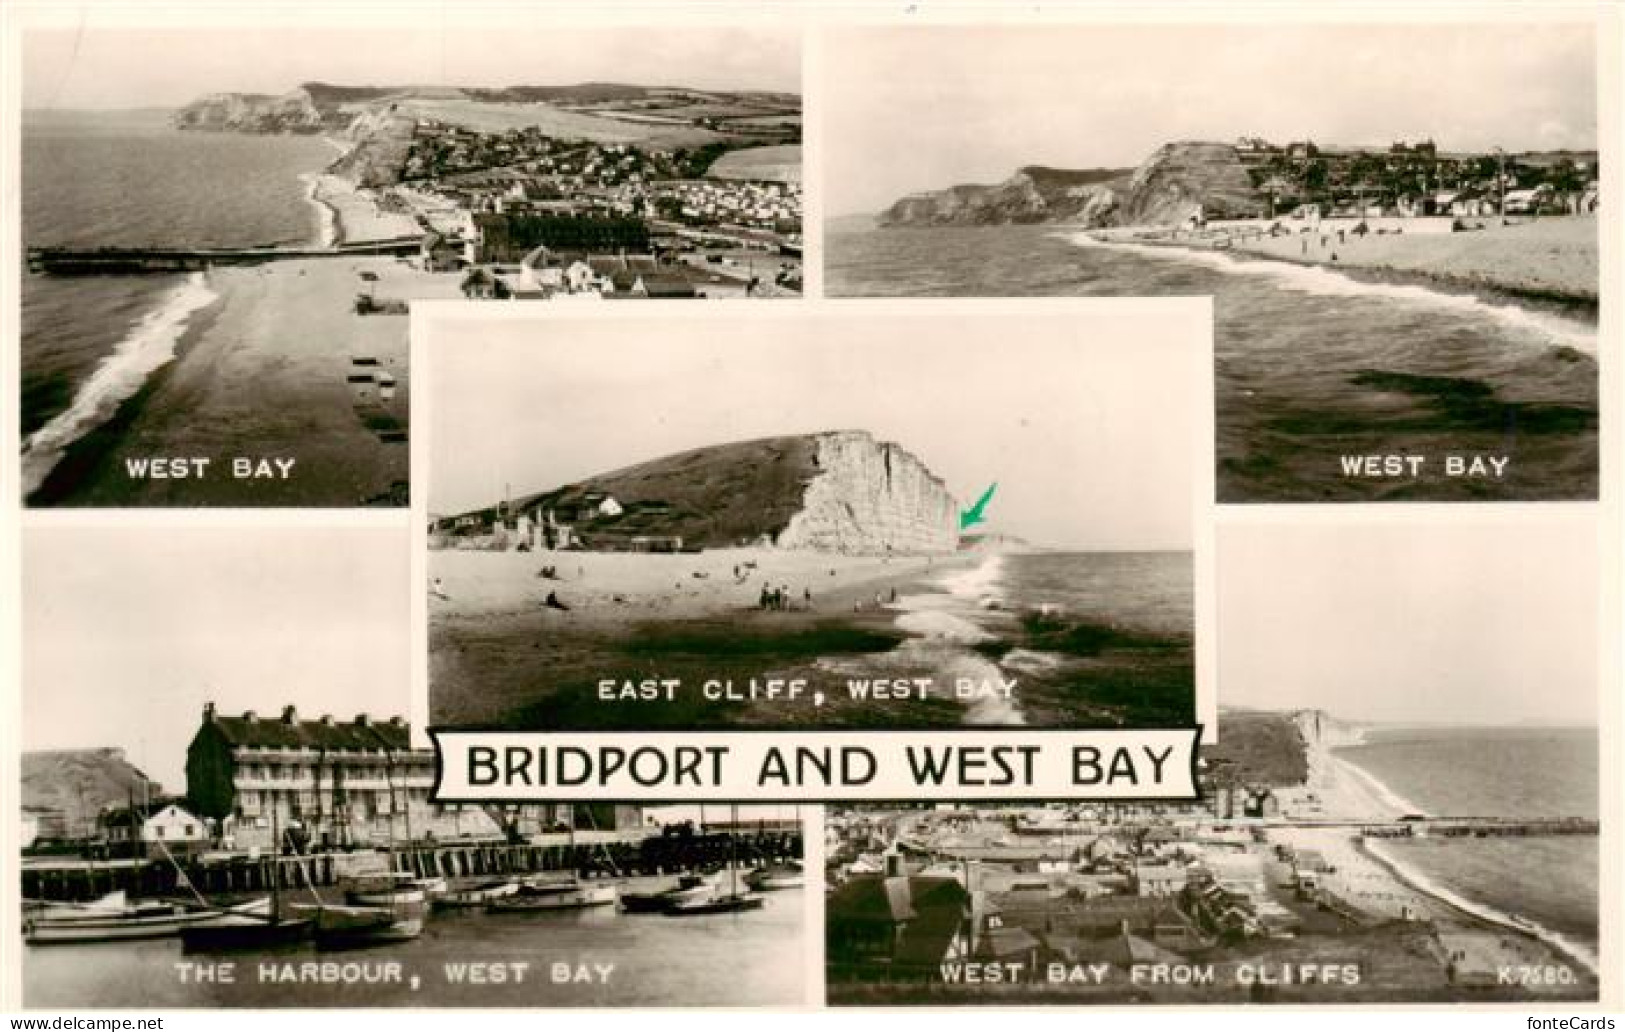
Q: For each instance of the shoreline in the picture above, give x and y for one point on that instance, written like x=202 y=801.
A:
x=1387 y=261
x=1372 y=798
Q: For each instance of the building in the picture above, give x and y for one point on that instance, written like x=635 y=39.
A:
x=151 y=830
x=323 y=782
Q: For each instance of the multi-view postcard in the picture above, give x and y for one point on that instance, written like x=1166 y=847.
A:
x=248 y=821
x=1410 y=821
x=1129 y=514
x=914 y=516
x=225 y=228
x=1398 y=224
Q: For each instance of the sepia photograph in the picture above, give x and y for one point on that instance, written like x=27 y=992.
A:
x=226 y=803
x=1415 y=820
x=1398 y=224
x=865 y=518
x=224 y=228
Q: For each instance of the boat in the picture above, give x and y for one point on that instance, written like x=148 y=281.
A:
x=776 y=876
x=346 y=926
x=555 y=895
x=719 y=902
x=477 y=895
x=688 y=887
x=114 y=917
x=249 y=931
x=395 y=887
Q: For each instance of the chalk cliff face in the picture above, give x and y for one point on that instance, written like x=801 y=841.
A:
x=840 y=491
x=1319 y=728
x=871 y=497
x=1173 y=183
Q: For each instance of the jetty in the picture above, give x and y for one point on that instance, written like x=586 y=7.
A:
x=70 y=261
x=61 y=878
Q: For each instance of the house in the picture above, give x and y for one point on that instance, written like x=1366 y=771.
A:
x=155 y=828
x=333 y=783
x=1157 y=879
x=897 y=925
x=438 y=254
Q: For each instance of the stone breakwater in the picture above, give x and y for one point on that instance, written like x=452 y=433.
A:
x=872 y=497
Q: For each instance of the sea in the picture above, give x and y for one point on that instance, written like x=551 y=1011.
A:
x=128 y=179
x=1312 y=364
x=1092 y=639
x=1497 y=772
x=752 y=958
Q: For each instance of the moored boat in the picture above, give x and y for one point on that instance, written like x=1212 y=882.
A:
x=246 y=932
x=477 y=895
x=567 y=895
x=346 y=926
x=717 y=903
x=776 y=876
x=114 y=918
x=689 y=887
x=397 y=887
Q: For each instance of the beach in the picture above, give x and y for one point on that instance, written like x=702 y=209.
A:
x=500 y=655
x=280 y=393
x=1373 y=881
x=1554 y=258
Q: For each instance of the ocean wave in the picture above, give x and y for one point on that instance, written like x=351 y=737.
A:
x=149 y=345
x=1316 y=279
x=1579 y=952
x=1026 y=661
x=977 y=582
x=942 y=626
x=327 y=230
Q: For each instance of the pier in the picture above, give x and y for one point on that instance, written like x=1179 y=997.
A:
x=69 y=261
x=74 y=878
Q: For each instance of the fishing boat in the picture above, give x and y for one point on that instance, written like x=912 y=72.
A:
x=776 y=876
x=688 y=887
x=477 y=895
x=555 y=895
x=114 y=917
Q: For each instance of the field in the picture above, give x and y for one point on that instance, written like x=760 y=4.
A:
x=557 y=122
x=779 y=164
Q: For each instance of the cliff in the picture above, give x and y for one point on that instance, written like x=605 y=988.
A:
x=293 y=112
x=1176 y=181
x=872 y=497
x=841 y=491
x=1033 y=194
x=81 y=783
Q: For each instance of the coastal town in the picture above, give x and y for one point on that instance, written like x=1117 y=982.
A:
x=1275 y=887
x=317 y=833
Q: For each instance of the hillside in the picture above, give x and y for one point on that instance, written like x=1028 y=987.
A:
x=1257 y=748
x=1176 y=181
x=841 y=491
x=81 y=783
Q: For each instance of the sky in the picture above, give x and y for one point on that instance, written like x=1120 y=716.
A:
x=910 y=109
x=1052 y=406
x=127 y=632
x=1446 y=622
x=112 y=67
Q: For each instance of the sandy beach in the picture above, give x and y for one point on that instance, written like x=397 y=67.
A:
x=500 y=655
x=1554 y=258
x=280 y=394
x=1373 y=881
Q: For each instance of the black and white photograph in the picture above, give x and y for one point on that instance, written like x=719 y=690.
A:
x=1398 y=223
x=226 y=802
x=1402 y=805
x=224 y=227
x=910 y=517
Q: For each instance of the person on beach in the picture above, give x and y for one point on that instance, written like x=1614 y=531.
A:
x=554 y=603
x=438 y=591
x=806 y=596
